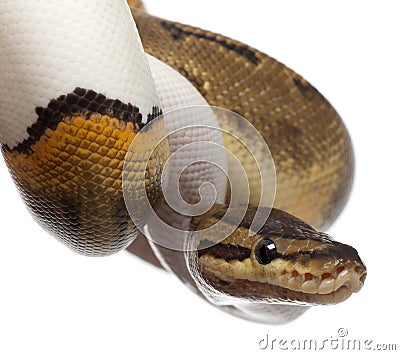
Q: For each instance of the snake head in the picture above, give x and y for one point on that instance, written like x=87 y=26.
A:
x=285 y=261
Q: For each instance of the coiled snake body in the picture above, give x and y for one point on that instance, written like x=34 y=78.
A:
x=78 y=89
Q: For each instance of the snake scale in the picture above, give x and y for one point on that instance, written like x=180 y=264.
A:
x=81 y=84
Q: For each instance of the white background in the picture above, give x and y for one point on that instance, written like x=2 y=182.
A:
x=55 y=302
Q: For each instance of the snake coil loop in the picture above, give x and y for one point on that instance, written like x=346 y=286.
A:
x=115 y=122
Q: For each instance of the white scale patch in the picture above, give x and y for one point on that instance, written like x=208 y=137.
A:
x=176 y=92
x=50 y=47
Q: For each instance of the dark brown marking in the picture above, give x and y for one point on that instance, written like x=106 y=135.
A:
x=308 y=91
x=79 y=102
x=178 y=33
x=122 y=221
x=225 y=251
x=279 y=224
x=70 y=211
x=342 y=252
x=199 y=83
x=156 y=111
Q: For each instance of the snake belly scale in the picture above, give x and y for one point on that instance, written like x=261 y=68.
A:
x=78 y=92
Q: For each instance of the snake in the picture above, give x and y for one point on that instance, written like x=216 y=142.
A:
x=82 y=81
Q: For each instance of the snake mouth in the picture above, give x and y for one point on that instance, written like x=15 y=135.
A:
x=350 y=276
x=291 y=283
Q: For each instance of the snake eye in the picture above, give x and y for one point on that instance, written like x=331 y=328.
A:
x=265 y=251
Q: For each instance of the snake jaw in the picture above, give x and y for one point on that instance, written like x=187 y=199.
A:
x=350 y=275
x=275 y=283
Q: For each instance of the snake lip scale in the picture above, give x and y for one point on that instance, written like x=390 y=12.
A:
x=335 y=286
